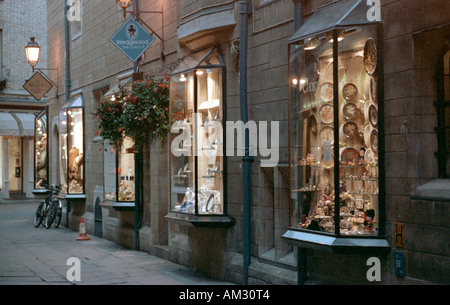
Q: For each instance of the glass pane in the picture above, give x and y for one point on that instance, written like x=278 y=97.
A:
x=75 y=154
x=110 y=172
x=312 y=135
x=41 y=151
x=209 y=139
x=63 y=150
x=181 y=139
x=125 y=171
x=358 y=133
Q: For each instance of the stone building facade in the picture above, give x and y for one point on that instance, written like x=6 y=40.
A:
x=412 y=51
x=18 y=22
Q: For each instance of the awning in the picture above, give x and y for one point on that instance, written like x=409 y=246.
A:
x=17 y=124
x=115 y=88
x=208 y=58
x=75 y=102
x=340 y=14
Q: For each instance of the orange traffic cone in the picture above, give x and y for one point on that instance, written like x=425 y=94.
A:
x=83 y=235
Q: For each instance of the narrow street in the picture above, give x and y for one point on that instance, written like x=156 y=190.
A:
x=37 y=256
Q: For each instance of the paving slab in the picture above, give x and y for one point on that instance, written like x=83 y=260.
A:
x=38 y=256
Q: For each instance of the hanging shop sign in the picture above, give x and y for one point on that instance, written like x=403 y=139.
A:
x=38 y=85
x=132 y=39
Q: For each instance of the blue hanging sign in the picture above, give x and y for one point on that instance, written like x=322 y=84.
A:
x=399 y=264
x=132 y=39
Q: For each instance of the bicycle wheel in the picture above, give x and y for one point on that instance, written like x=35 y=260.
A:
x=39 y=215
x=50 y=215
x=58 y=215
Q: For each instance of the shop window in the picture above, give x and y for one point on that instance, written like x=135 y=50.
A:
x=336 y=127
x=197 y=165
x=443 y=112
x=72 y=146
x=41 y=168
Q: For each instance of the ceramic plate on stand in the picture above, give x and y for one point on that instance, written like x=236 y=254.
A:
x=350 y=92
x=326 y=114
x=348 y=131
x=367 y=132
x=373 y=116
x=370 y=56
x=326 y=92
x=349 y=111
x=374 y=140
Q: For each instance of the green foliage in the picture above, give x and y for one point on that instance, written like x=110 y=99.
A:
x=141 y=113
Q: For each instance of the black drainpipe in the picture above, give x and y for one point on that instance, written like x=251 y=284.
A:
x=245 y=11
x=138 y=155
x=302 y=254
x=68 y=85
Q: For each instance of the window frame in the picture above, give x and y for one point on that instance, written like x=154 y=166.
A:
x=441 y=104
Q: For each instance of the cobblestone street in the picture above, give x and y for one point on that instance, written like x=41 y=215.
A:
x=37 y=256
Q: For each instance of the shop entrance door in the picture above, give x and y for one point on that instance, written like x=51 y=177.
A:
x=15 y=162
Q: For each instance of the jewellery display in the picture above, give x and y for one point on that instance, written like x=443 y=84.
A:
x=313 y=189
x=197 y=173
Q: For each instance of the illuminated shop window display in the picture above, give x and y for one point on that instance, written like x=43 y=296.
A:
x=72 y=146
x=197 y=136
x=121 y=183
x=41 y=150
x=336 y=124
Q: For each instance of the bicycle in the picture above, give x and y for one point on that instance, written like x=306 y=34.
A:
x=54 y=212
x=44 y=208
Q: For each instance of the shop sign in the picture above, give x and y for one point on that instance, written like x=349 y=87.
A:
x=132 y=39
x=38 y=85
x=399 y=235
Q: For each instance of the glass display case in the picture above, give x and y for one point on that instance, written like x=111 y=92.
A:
x=119 y=173
x=41 y=150
x=72 y=146
x=336 y=130
x=125 y=172
x=197 y=165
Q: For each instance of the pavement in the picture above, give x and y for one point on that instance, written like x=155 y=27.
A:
x=39 y=256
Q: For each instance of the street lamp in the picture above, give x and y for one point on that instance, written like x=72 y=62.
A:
x=124 y=4
x=32 y=51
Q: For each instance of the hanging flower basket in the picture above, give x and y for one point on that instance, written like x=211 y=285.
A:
x=141 y=113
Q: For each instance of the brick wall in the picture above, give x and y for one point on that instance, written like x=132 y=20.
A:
x=20 y=20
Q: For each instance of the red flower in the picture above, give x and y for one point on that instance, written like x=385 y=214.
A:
x=120 y=129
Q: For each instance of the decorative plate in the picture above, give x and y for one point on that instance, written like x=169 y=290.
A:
x=374 y=140
x=370 y=56
x=313 y=124
x=326 y=92
x=349 y=111
x=349 y=155
x=350 y=130
x=367 y=132
x=327 y=133
x=373 y=90
x=368 y=156
x=326 y=114
x=350 y=92
x=373 y=116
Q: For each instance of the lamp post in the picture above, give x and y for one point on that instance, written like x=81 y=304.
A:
x=124 y=4
x=32 y=50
